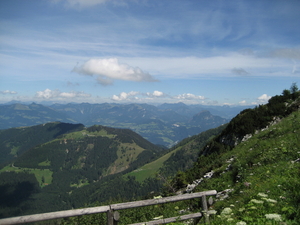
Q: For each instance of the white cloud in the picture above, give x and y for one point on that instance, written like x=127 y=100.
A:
x=8 y=92
x=156 y=94
x=79 y=4
x=225 y=103
x=263 y=99
x=242 y=102
x=47 y=93
x=188 y=96
x=53 y=94
x=108 y=70
x=295 y=69
x=124 y=96
x=132 y=96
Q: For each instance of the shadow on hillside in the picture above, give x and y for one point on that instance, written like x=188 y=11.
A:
x=12 y=195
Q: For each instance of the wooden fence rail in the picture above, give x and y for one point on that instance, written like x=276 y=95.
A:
x=112 y=213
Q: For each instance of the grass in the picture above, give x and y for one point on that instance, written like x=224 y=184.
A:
x=127 y=153
x=150 y=169
x=266 y=165
x=14 y=150
x=84 y=133
x=45 y=163
x=43 y=176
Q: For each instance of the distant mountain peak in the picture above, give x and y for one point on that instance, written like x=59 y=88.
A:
x=205 y=116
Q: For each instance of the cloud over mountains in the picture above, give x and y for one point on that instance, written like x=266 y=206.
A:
x=8 y=92
x=108 y=70
x=57 y=94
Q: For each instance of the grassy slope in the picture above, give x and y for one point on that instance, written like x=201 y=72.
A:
x=16 y=141
x=266 y=163
x=190 y=146
x=150 y=169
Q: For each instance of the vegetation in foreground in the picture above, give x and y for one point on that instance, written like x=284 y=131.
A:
x=263 y=177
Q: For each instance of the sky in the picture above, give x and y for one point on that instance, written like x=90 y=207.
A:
x=216 y=52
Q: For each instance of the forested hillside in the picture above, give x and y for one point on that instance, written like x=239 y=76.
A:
x=62 y=170
x=16 y=141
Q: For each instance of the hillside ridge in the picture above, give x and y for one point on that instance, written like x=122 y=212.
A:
x=165 y=124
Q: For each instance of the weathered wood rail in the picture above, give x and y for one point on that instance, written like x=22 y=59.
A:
x=112 y=213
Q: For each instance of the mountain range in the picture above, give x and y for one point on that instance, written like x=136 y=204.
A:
x=165 y=124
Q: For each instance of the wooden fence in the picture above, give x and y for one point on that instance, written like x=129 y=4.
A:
x=113 y=215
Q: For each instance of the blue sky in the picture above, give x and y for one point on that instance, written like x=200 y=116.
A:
x=148 y=51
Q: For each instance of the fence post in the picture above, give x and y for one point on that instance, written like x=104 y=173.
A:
x=112 y=217
x=205 y=208
x=116 y=217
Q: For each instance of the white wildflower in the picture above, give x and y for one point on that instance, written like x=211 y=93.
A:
x=271 y=200
x=274 y=216
x=241 y=223
x=212 y=212
x=158 y=217
x=262 y=195
x=226 y=211
x=257 y=201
